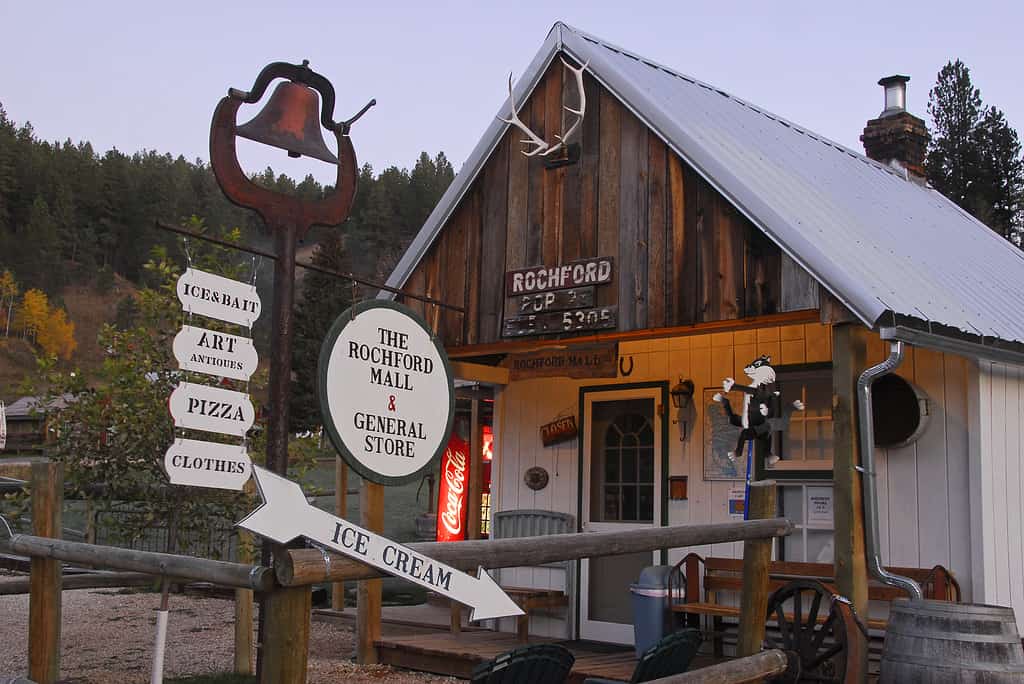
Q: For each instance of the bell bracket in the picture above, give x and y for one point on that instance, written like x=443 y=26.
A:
x=278 y=210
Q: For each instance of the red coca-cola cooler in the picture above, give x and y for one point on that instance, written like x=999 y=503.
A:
x=453 y=492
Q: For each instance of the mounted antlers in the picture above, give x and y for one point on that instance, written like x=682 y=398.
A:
x=540 y=146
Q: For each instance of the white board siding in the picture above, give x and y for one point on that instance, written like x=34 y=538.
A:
x=997 y=485
x=924 y=495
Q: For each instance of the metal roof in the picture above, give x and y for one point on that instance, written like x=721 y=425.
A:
x=879 y=243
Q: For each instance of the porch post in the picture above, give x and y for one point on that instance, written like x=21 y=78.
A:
x=849 y=358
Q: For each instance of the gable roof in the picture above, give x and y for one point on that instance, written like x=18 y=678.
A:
x=891 y=250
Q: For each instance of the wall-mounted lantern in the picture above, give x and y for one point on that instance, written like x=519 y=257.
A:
x=682 y=400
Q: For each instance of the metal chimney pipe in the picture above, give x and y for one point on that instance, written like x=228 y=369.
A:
x=867 y=455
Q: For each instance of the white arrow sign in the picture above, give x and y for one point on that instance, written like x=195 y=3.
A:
x=218 y=297
x=285 y=514
x=215 y=353
x=205 y=464
x=200 y=407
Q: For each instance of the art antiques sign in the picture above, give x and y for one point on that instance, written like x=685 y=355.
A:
x=215 y=353
x=285 y=515
x=385 y=391
x=453 y=493
x=558 y=299
x=218 y=297
x=590 y=361
x=210 y=408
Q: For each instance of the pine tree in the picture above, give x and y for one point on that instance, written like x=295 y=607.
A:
x=974 y=157
x=324 y=297
x=954 y=105
x=1000 y=187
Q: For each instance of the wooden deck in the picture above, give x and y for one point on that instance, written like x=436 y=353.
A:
x=457 y=654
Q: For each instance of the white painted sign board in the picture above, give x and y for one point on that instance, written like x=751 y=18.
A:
x=285 y=515
x=214 y=409
x=215 y=353
x=205 y=464
x=208 y=294
x=819 y=506
x=385 y=391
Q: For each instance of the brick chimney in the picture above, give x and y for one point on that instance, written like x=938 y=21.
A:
x=897 y=137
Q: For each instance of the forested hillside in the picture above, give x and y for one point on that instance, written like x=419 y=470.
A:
x=73 y=219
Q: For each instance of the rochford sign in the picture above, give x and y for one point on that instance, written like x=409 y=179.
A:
x=285 y=515
x=385 y=391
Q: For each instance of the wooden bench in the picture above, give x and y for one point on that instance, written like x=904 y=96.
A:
x=535 y=523
x=531 y=523
x=717 y=576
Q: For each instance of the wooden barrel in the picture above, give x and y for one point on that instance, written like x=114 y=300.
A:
x=939 y=641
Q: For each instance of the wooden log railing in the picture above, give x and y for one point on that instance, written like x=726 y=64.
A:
x=228 y=574
x=753 y=668
x=296 y=567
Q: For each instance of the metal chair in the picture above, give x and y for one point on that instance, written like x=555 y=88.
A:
x=537 y=664
x=672 y=655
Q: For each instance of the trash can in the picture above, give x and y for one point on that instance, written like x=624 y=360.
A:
x=652 y=614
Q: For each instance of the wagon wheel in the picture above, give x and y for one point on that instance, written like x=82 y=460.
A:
x=819 y=628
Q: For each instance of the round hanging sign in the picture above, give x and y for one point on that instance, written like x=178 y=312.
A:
x=386 y=392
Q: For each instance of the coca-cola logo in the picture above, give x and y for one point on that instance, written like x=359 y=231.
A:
x=455 y=478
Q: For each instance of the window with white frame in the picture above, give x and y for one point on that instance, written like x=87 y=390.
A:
x=806 y=443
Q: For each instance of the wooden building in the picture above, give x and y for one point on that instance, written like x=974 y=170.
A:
x=730 y=234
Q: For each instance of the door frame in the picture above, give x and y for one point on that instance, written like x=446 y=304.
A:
x=581 y=458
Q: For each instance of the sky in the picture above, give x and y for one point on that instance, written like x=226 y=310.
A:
x=139 y=75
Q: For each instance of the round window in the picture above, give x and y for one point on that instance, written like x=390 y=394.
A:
x=899 y=411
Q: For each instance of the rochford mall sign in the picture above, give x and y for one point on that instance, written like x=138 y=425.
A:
x=385 y=391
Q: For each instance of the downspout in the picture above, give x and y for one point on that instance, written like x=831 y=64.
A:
x=867 y=454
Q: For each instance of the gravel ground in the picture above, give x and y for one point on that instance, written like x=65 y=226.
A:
x=108 y=639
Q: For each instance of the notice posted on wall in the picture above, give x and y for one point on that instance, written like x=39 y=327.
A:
x=819 y=507
x=736 y=499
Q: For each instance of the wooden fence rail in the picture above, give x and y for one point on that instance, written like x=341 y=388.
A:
x=754 y=668
x=296 y=567
x=228 y=574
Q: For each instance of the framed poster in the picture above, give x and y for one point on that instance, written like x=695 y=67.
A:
x=720 y=438
x=819 y=507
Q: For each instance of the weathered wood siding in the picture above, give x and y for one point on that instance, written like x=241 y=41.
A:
x=924 y=492
x=682 y=253
x=996 y=480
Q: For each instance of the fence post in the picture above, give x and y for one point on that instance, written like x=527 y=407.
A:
x=244 y=611
x=285 y=644
x=368 y=593
x=47 y=489
x=757 y=554
x=341 y=510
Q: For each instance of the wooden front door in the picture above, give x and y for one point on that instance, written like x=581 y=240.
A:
x=621 y=491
